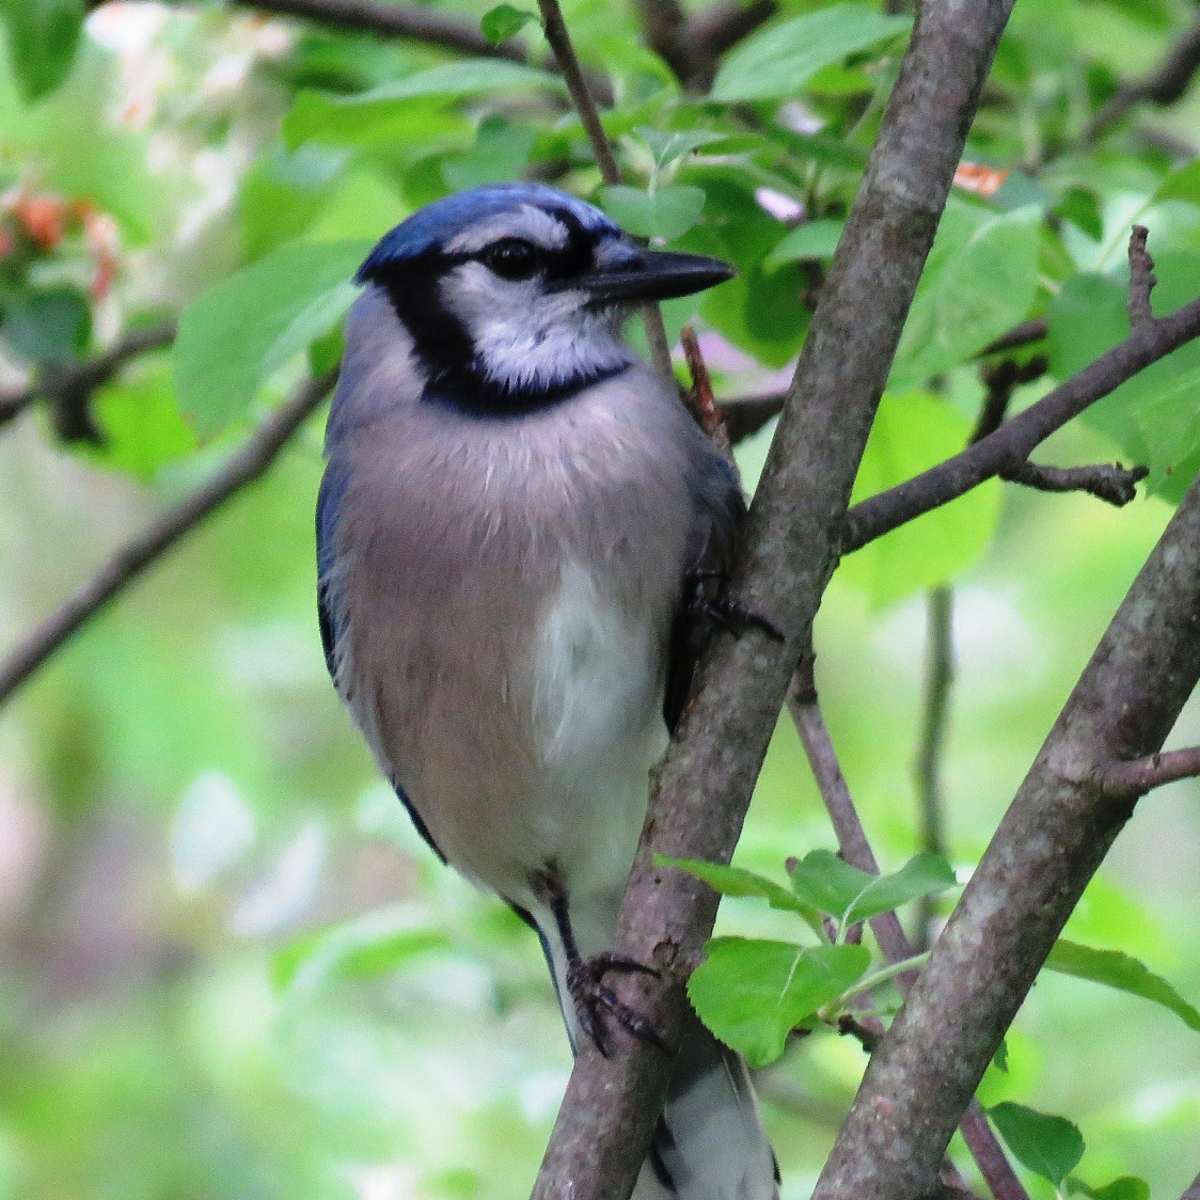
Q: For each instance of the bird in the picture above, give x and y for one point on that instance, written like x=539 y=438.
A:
x=517 y=527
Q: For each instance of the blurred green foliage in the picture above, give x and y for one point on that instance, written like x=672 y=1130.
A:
x=229 y=966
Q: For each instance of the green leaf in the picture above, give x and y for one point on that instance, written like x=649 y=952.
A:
x=1000 y=1058
x=979 y=282
x=913 y=431
x=780 y=59
x=1051 y=1146
x=1117 y=970
x=753 y=993
x=47 y=327
x=736 y=881
x=42 y=38
x=500 y=153
x=851 y=895
x=238 y=333
x=669 y=145
x=813 y=239
x=139 y=417
x=504 y=21
x=1128 y=1187
x=370 y=945
x=664 y=213
x=388 y=110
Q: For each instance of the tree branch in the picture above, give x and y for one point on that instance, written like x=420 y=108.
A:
x=1050 y=842
x=1193 y=1191
x=856 y=850
x=1165 y=84
x=1005 y=451
x=701 y=791
x=77 y=382
x=245 y=465
x=1129 y=780
x=935 y=709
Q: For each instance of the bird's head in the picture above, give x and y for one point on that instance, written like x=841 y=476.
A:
x=514 y=293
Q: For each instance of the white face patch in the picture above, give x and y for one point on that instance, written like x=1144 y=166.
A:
x=526 y=335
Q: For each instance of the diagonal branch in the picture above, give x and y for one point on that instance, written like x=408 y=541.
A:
x=701 y=791
x=1193 y=1191
x=1006 y=450
x=83 y=378
x=1049 y=844
x=1165 y=84
x=1109 y=482
x=1129 y=780
x=244 y=466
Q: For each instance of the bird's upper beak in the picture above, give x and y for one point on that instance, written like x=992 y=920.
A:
x=653 y=275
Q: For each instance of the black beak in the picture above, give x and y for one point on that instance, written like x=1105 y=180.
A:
x=654 y=275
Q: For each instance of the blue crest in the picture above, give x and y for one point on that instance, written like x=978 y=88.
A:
x=439 y=222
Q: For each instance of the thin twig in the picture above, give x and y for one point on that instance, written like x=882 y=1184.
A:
x=1128 y=780
x=1142 y=280
x=746 y=415
x=568 y=64
x=1024 y=334
x=935 y=709
x=1193 y=1191
x=1110 y=482
x=244 y=466
x=856 y=850
x=1164 y=84
x=700 y=400
x=867 y=1034
x=81 y=379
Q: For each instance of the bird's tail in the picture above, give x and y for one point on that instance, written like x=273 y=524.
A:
x=709 y=1143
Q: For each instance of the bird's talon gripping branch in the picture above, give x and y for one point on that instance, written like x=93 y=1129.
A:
x=723 y=611
x=585 y=982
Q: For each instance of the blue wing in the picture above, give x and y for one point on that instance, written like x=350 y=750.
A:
x=329 y=611
x=329 y=498
x=720 y=509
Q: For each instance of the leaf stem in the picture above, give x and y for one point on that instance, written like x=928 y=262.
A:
x=869 y=982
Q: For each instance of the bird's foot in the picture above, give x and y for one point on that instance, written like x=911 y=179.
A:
x=723 y=611
x=594 y=1002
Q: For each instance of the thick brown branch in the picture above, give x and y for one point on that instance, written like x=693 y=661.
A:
x=1129 y=780
x=701 y=791
x=1165 y=84
x=79 y=381
x=1051 y=841
x=245 y=465
x=1007 y=449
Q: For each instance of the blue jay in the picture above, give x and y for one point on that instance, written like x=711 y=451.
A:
x=513 y=510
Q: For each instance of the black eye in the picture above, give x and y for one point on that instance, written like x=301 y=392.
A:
x=512 y=258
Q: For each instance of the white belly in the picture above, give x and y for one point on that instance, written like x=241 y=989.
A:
x=598 y=727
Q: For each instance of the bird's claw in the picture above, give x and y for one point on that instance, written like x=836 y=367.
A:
x=585 y=982
x=723 y=611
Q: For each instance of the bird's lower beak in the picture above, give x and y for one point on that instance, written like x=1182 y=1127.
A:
x=654 y=275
